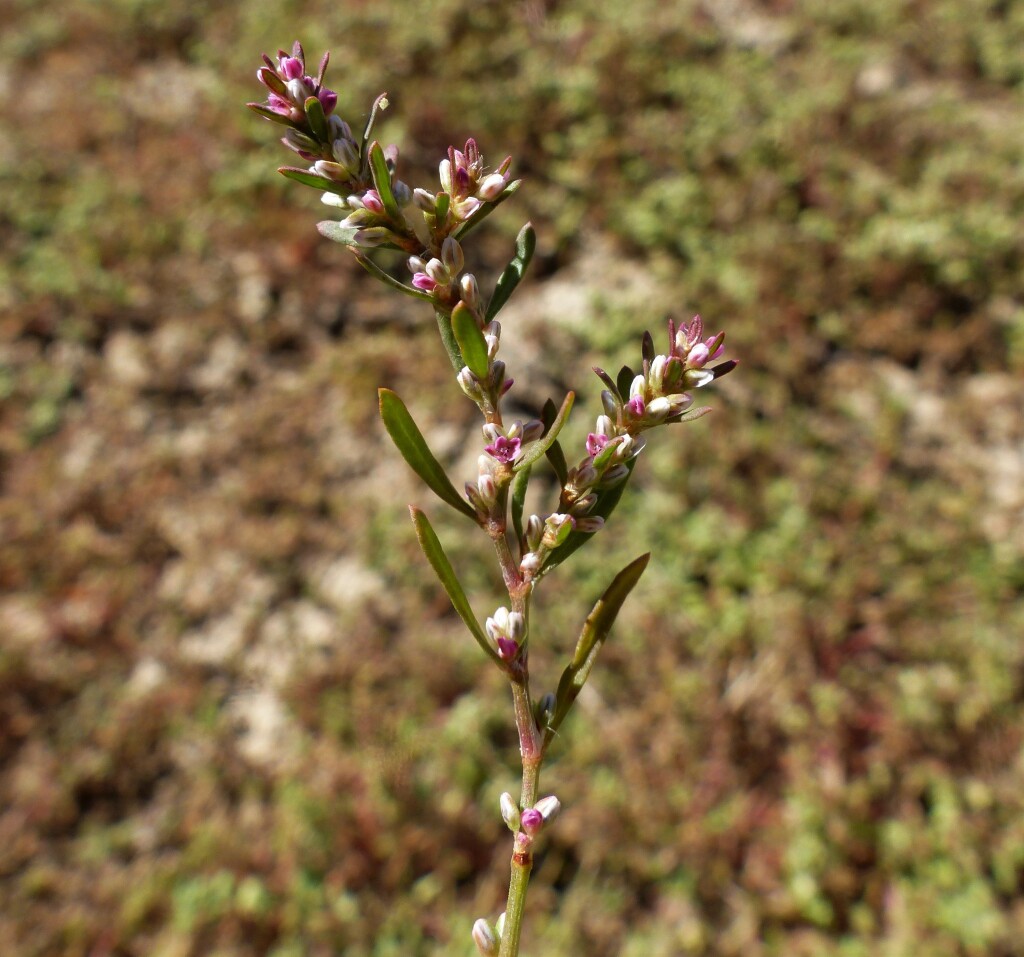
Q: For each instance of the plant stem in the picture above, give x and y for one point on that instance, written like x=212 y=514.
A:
x=522 y=853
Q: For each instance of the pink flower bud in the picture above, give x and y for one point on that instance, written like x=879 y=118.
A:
x=423 y=282
x=697 y=356
x=328 y=100
x=507 y=649
x=636 y=406
x=292 y=68
x=372 y=201
x=531 y=821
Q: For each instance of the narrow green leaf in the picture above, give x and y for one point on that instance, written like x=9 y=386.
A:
x=535 y=450
x=557 y=459
x=526 y=242
x=374 y=270
x=411 y=444
x=382 y=182
x=519 y=486
x=603 y=508
x=307 y=178
x=316 y=118
x=595 y=630
x=485 y=210
x=471 y=341
x=448 y=340
x=431 y=546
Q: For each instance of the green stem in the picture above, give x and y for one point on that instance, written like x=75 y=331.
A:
x=522 y=852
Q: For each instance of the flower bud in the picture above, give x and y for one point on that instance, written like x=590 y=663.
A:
x=610 y=404
x=491 y=187
x=509 y=811
x=656 y=376
x=583 y=505
x=516 y=626
x=533 y=430
x=585 y=476
x=470 y=385
x=470 y=291
x=638 y=386
x=451 y=256
x=696 y=378
x=589 y=524
x=549 y=807
x=530 y=564
x=374 y=236
x=333 y=199
x=557 y=529
x=424 y=201
x=531 y=821
x=604 y=426
x=614 y=475
x=534 y=531
x=485 y=939
x=488 y=489
x=545 y=709
x=491 y=433
x=508 y=650
x=658 y=408
x=346 y=153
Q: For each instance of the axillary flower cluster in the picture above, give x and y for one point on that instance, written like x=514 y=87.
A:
x=358 y=176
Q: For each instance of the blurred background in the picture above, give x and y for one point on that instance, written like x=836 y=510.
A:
x=237 y=714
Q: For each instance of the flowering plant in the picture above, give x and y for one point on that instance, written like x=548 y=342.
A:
x=359 y=176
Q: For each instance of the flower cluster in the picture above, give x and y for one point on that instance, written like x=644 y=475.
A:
x=466 y=182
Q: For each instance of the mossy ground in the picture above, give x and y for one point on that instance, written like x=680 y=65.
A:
x=237 y=716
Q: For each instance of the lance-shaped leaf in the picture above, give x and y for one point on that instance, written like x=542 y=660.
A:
x=535 y=450
x=519 y=485
x=592 y=637
x=431 y=546
x=316 y=118
x=554 y=453
x=472 y=343
x=374 y=270
x=526 y=242
x=307 y=178
x=485 y=210
x=448 y=340
x=411 y=444
x=382 y=182
x=607 y=499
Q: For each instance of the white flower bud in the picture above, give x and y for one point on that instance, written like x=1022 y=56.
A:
x=533 y=430
x=604 y=426
x=516 y=627
x=638 y=386
x=485 y=938
x=488 y=489
x=451 y=255
x=424 y=201
x=534 y=531
x=657 y=374
x=658 y=408
x=333 y=199
x=549 y=807
x=470 y=290
x=509 y=811
x=530 y=563
x=491 y=433
x=491 y=187
x=590 y=524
